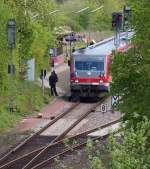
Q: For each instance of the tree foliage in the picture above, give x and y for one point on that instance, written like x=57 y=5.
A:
x=134 y=151
x=131 y=71
x=99 y=20
x=3 y=45
x=33 y=37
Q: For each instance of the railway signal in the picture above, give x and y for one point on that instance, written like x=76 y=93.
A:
x=127 y=14
x=11 y=33
x=11 y=38
x=117 y=20
x=42 y=77
x=114 y=24
x=114 y=20
x=11 y=69
x=43 y=73
x=117 y=25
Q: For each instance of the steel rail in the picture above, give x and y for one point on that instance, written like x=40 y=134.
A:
x=30 y=163
x=29 y=155
x=6 y=156
x=70 y=149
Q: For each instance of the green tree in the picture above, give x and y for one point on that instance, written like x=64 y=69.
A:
x=101 y=19
x=4 y=15
x=134 y=151
x=131 y=70
x=27 y=23
x=33 y=37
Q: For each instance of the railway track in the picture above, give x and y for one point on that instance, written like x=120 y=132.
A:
x=60 y=149
x=16 y=149
x=27 y=159
x=56 y=149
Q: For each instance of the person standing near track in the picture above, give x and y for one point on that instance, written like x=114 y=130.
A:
x=53 y=79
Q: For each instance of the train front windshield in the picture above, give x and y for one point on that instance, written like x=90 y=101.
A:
x=89 y=65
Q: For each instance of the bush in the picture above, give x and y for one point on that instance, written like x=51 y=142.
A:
x=28 y=99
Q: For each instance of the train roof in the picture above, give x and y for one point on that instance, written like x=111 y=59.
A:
x=101 y=48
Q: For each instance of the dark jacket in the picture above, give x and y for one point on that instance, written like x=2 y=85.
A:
x=53 y=79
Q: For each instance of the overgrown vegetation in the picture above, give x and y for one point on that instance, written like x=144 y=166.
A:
x=25 y=103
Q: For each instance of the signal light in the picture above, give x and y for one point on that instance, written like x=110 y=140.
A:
x=113 y=24
x=117 y=20
x=120 y=16
x=114 y=20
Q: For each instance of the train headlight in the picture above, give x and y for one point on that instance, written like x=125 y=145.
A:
x=76 y=81
x=101 y=81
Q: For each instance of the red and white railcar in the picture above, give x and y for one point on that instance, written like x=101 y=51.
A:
x=89 y=67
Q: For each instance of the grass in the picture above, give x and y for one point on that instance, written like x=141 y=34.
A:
x=28 y=99
x=7 y=119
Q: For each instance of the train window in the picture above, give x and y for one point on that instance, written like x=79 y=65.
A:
x=89 y=65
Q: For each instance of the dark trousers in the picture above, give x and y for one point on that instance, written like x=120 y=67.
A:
x=53 y=91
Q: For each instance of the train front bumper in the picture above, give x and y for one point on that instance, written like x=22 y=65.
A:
x=89 y=89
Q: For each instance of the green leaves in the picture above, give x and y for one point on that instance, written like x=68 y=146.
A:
x=133 y=152
x=4 y=15
x=130 y=71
